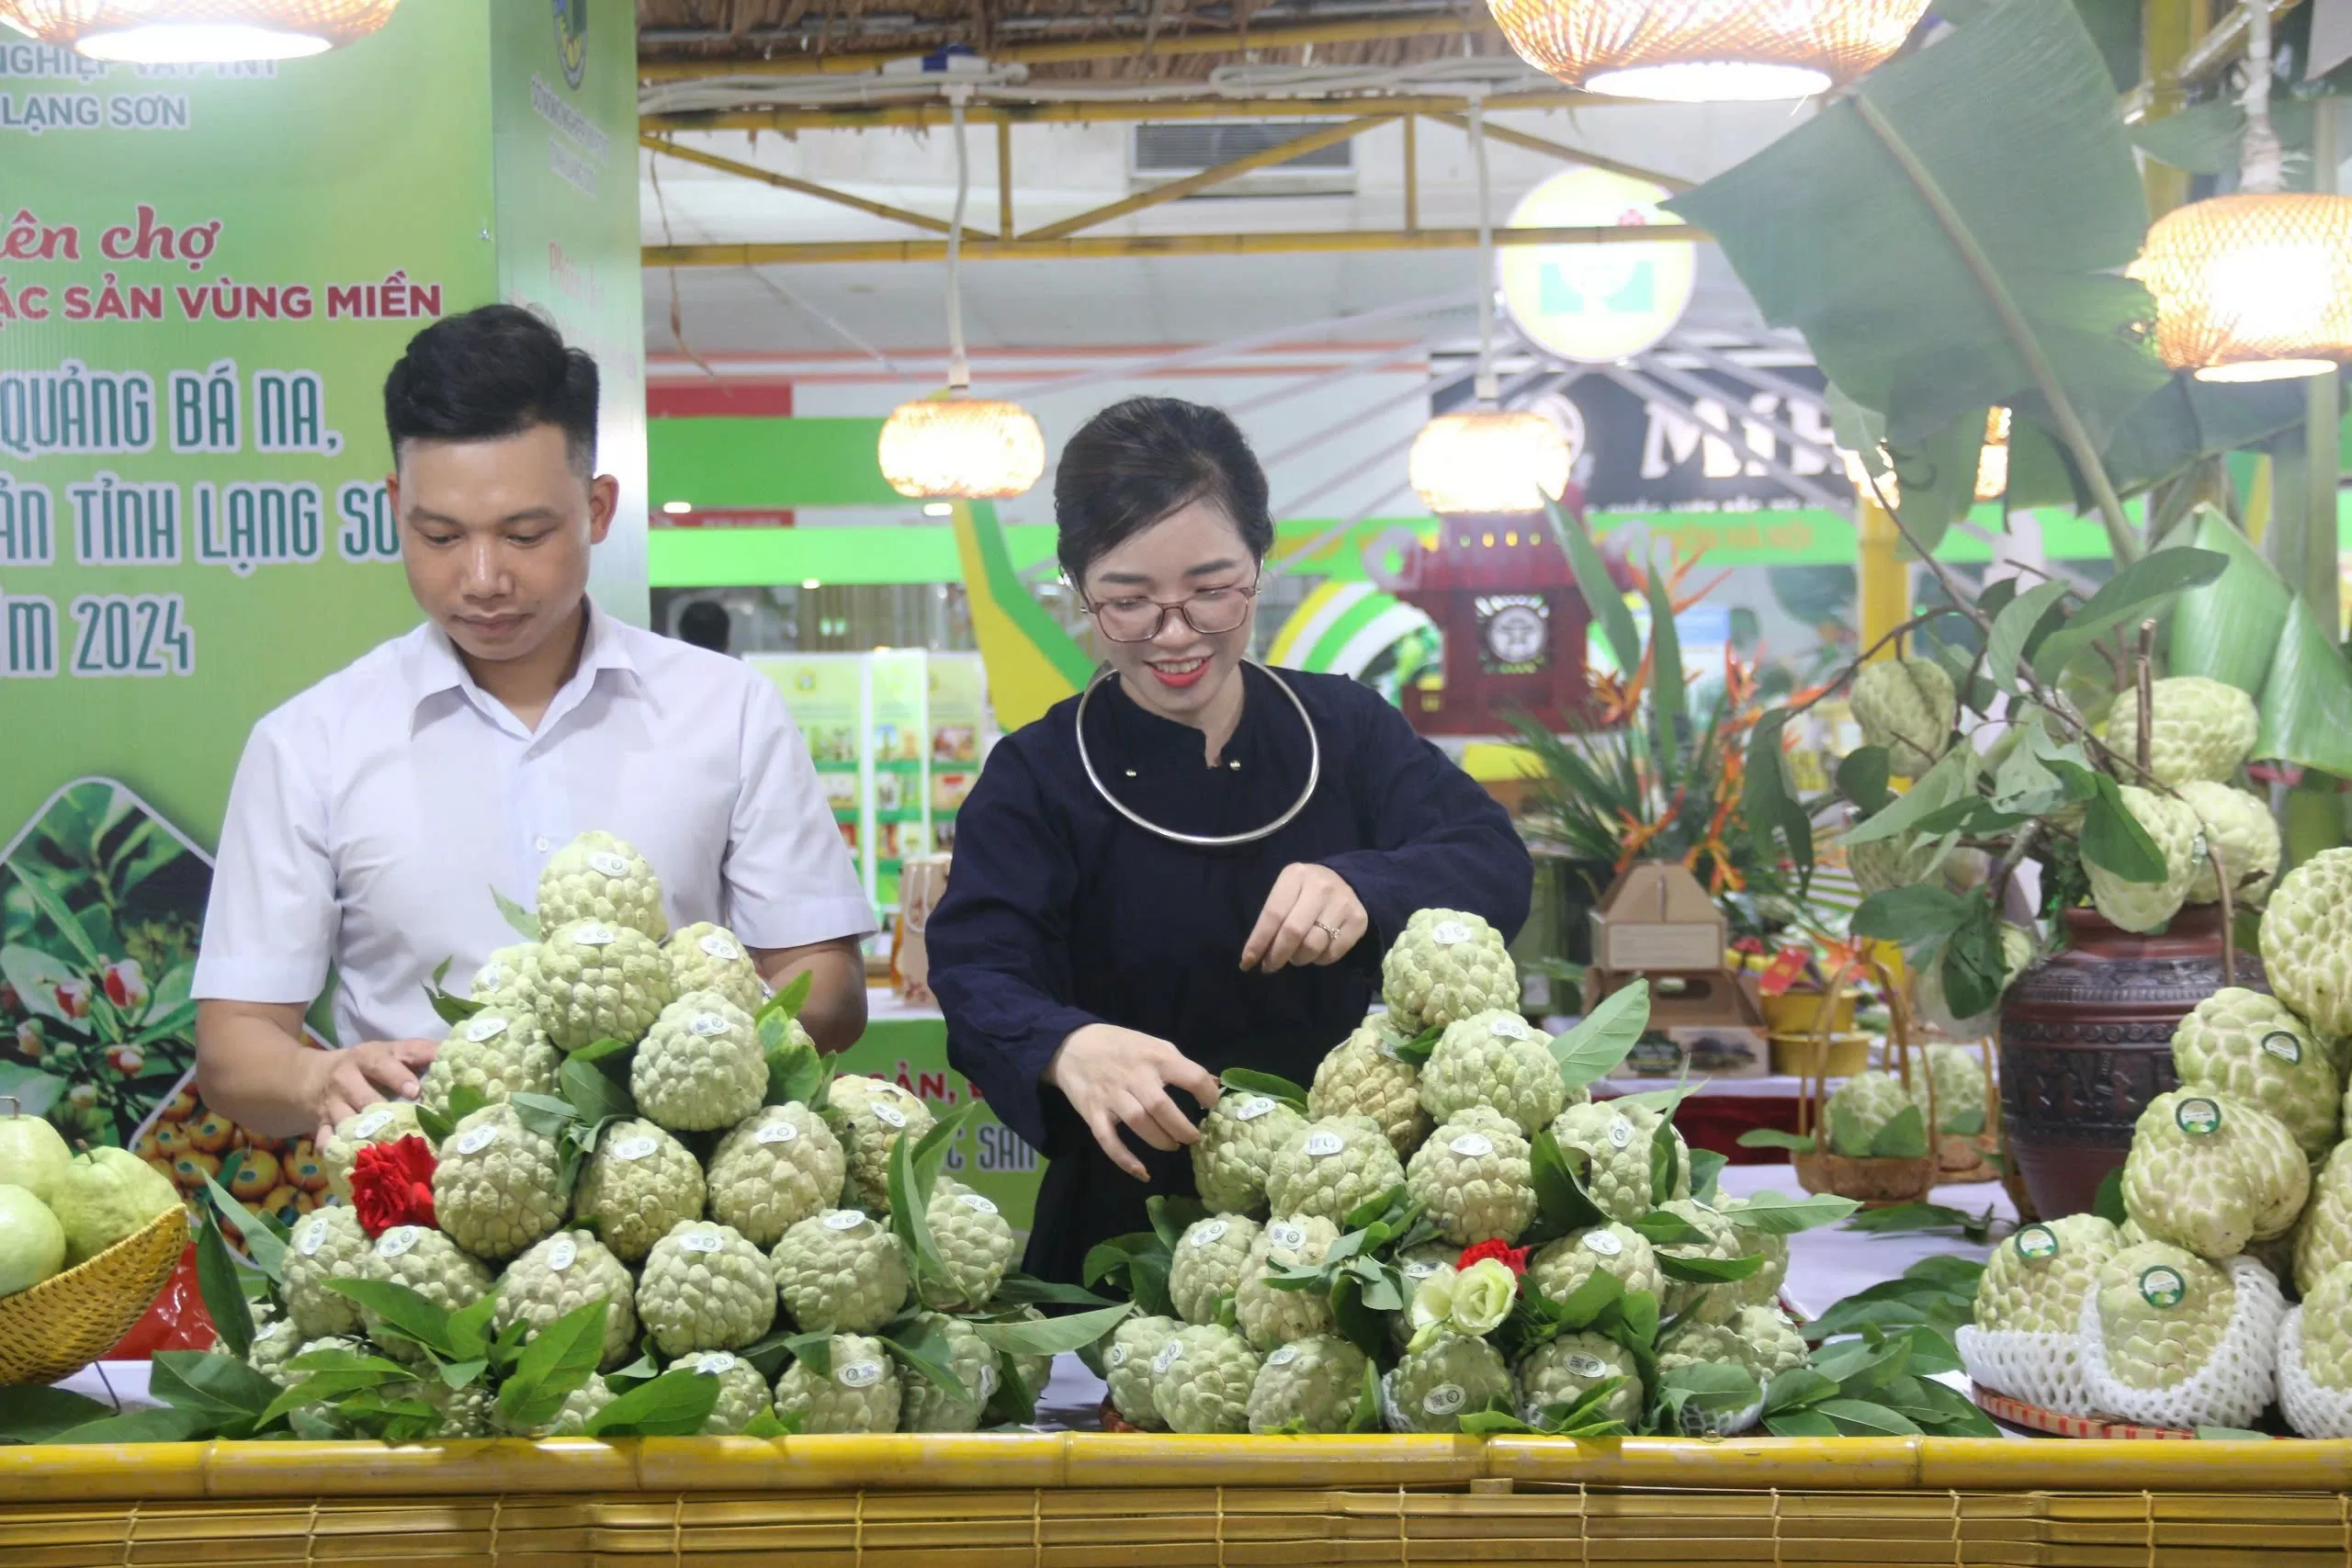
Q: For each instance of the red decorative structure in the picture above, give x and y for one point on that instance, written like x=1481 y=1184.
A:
x=1513 y=622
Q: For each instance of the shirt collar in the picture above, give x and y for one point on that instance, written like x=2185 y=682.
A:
x=437 y=667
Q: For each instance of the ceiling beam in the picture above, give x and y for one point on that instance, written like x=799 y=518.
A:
x=1068 y=52
x=1087 y=247
x=932 y=113
x=1570 y=154
x=1232 y=169
x=663 y=147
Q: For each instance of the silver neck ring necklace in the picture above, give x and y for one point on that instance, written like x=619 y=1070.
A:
x=1206 y=840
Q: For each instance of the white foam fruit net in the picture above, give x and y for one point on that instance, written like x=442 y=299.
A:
x=2040 y=1369
x=2313 y=1411
x=2230 y=1390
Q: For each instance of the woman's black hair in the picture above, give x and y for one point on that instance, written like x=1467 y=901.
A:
x=1137 y=462
x=494 y=371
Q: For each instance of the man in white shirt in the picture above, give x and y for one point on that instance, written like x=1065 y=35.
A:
x=373 y=815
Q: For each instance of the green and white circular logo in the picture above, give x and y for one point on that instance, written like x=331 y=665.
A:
x=2284 y=1046
x=2199 y=1117
x=2037 y=1243
x=2162 y=1286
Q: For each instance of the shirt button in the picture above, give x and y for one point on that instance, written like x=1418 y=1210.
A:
x=542 y=846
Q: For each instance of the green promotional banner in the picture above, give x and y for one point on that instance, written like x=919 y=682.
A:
x=205 y=273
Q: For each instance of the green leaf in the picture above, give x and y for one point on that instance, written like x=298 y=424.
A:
x=163 y=1426
x=1708 y=1270
x=1777 y=1215
x=326 y=1387
x=1774 y=1138
x=1934 y=790
x=223 y=1388
x=1244 y=1080
x=1664 y=1101
x=787 y=1004
x=1173 y=1214
x=1486 y=1423
x=1946 y=1412
x=265 y=1236
x=1905 y=1136
x=1052 y=1336
x=1862 y=775
x=1714 y=1385
x=1416 y=1050
x=674 y=1404
x=1600 y=1039
x=470 y=1328
x=1848 y=1133
x=2019 y=628
x=2307 y=700
x=542 y=1114
x=1666 y=1162
x=2113 y=840
x=597 y=1050
x=34 y=1413
x=1600 y=594
x=1706 y=1166
x=452 y=1010
x=554 y=1366
x=2146 y=587
x=1937 y=475
x=926 y=1353
x=1662 y=1229
x=2230 y=630
x=1768 y=800
x=1670 y=704
x=766 y=1426
x=435 y=1127
x=1797 y=1387
x=1901 y=1218
x=1800 y=1424
x=2108 y=1205
x=525 y=923
x=2230 y=1435
x=592 y=1096
x=1861 y=1418
x=1559 y=1192
x=1017 y=1289
x=1585 y=1306
x=1909 y=916
x=224 y=1296
x=403 y=1310
x=797 y=1069
x=1366 y=1415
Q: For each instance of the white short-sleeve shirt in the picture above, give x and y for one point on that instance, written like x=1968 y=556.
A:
x=373 y=815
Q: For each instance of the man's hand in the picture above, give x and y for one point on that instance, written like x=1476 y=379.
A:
x=1114 y=1077
x=350 y=1081
x=1312 y=916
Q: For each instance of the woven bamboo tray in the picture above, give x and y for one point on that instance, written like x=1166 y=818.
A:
x=65 y=1322
x=1075 y=1500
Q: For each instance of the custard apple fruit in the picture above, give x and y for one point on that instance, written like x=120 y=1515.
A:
x=1311 y=1386
x=468 y=1412
x=327 y=1244
x=1239 y=1141
x=1763 y=1287
x=499 y=1185
x=840 y=1272
x=1559 y=1267
x=386 y=1123
x=1907 y=705
x=926 y=1407
x=704 y=1287
x=701 y=1068
x=1774 y=1343
x=1201 y=1379
x=869 y=1116
x=1365 y=1076
x=1473 y=1178
x=742 y=1391
x=499 y=1053
x=1266 y=1316
x=2198 y=728
x=579 y=1407
x=1432 y=1388
x=2239 y=827
x=2327 y=1329
x=429 y=1263
x=2038 y=1276
x=858 y=1391
x=599 y=877
x=2307 y=940
x=774 y=1169
x=1497 y=1060
x=975 y=1245
x=569 y=1270
x=1704 y=1304
x=1862 y=1106
x=2162 y=1314
x=597 y=981
x=2323 y=1239
x=1127 y=1368
x=1332 y=1166
x=1446 y=966
x=2210 y=1172
x=1880 y=865
x=704 y=958
x=2249 y=1047
x=639 y=1184
x=1207 y=1265
x=1608 y=1145
x=503 y=980
x=2147 y=906
x=274 y=1344
x=1694 y=1344
x=1563 y=1371
x=1958 y=1075
x=1034 y=1371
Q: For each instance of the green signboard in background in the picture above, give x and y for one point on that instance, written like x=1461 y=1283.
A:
x=204 y=275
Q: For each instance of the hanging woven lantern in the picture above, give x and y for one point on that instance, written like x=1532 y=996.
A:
x=2252 y=287
x=976 y=448
x=1488 y=462
x=196 y=32
x=1706 y=50
x=1993 y=457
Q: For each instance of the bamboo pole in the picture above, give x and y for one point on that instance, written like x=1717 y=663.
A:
x=1085 y=247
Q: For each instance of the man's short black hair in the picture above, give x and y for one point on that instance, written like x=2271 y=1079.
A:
x=492 y=372
x=1137 y=462
x=705 y=624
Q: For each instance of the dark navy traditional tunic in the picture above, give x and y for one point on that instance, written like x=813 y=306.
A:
x=1060 y=913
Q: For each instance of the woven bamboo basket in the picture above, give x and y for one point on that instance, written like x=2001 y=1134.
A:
x=63 y=1323
x=1873 y=1183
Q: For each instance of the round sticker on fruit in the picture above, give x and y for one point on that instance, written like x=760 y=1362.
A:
x=2037 y=1243
x=476 y=1139
x=367 y=1126
x=2284 y=1046
x=720 y=947
x=2199 y=1117
x=1444 y=1399
x=975 y=1203
x=889 y=1116
x=708 y=1024
x=635 y=1148
x=1288 y=1236
x=1250 y=1109
x=1586 y=1366
x=313 y=1235
x=1473 y=1145
x=1508 y=1029
x=1449 y=933
x=492 y=978
x=1208 y=1233
x=610 y=864
x=1284 y=1357
x=1419 y=1268
x=702 y=1241
x=486 y=1028
x=776 y=1133
x=1169 y=1354
x=1323 y=1146
x=1621 y=1132
x=844 y=1219
x=1116 y=1359
x=1603 y=1242
x=397 y=1241
x=859 y=1374
x=2162 y=1286
x=711 y=1363
x=595 y=936
x=562 y=1253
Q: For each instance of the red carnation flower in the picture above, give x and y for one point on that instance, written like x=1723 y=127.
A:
x=1513 y=1258
x=392 y=1184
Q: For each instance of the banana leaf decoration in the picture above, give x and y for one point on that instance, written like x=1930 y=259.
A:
x=2247 y=628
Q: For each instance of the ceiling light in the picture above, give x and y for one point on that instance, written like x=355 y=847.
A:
x=1706 y=50
x=811 y=584
x=939 y=509
x=677 y=508
x=196 y=32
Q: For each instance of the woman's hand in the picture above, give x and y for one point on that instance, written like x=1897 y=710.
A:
x=349 y=1081
x=1312 y=916
x=1114 y=1077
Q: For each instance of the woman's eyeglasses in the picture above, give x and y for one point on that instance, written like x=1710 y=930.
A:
x=1209 y=613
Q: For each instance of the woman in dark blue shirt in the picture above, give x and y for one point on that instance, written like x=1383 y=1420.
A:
x=1198 y=864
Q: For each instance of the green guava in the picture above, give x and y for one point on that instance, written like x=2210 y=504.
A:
x=33 y=1244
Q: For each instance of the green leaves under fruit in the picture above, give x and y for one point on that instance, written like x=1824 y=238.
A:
x=448 y=1007
x=1905 y=1136
x=1600 y=1040
x=913 y=1172
x=1776 y=1214
x=787 y=1004
x=674 y=1404
x=1560 y=1187
x=1051 y=1336
x=554 y=1366
x=224 y=1297
x=1246 y=1080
